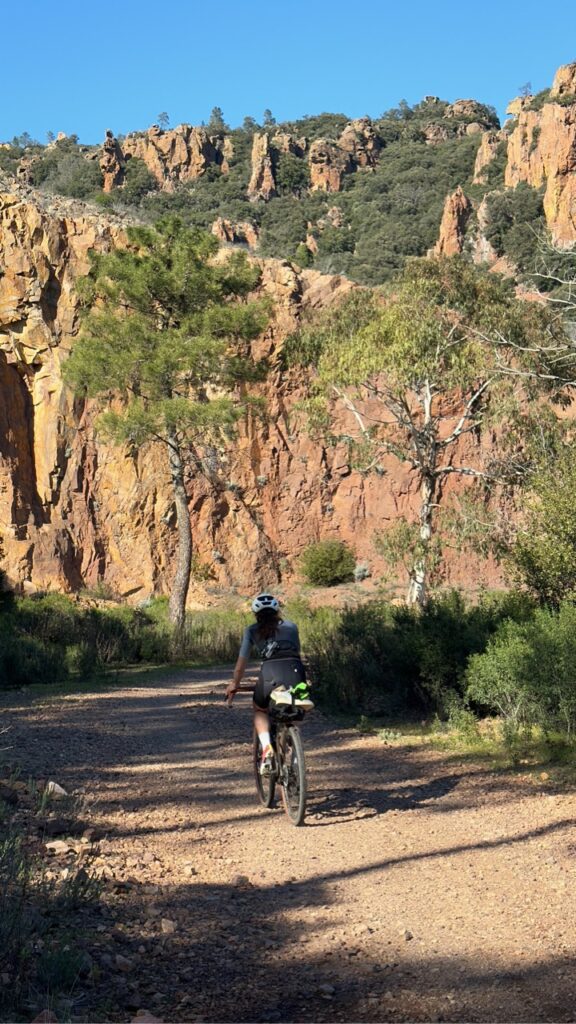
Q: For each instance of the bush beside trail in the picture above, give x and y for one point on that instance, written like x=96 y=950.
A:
x=503 y=654
x=51 y=638
x=397 y=661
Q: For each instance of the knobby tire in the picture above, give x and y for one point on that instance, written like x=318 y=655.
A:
x=265 y=784
x=292 y=772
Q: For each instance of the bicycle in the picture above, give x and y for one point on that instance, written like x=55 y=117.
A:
x=289 y=770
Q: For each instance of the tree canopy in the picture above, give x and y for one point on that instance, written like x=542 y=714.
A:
x=167 y=328
x=447 y=350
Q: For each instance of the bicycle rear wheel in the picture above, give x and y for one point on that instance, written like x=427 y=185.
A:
x=292 y=773
x=265 y=784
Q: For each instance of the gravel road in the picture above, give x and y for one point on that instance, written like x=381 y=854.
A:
x=422 y=887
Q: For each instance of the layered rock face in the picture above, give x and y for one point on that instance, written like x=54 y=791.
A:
x=74 y=510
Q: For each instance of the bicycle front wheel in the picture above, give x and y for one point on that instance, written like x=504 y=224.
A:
x=265 y=784
x=292 y=773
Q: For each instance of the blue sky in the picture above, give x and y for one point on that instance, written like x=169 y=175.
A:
x=83 y=68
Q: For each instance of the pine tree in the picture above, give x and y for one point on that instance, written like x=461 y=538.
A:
x=216 y=122
x=167 y=329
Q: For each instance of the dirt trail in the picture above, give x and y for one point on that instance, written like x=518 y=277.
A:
x=421 y=888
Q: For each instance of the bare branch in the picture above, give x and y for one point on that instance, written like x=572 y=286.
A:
x=469 y=411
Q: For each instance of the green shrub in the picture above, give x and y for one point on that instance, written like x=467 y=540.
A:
x=327 y=563
x=528 y=672
x=6 y=593
x=62 y=168
x=538 y=101
x=292 y=174
x=544 y=553
x=139 y=181
x=395 y=660
x=25 y=660
x=515 y=217
x=211 y=636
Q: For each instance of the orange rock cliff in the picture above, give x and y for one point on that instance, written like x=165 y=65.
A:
x=74 y=510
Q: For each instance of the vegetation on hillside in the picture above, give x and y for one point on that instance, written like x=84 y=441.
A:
x=366 y=231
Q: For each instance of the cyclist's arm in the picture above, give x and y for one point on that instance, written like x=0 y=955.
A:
x=239 y=670
x=240 y=667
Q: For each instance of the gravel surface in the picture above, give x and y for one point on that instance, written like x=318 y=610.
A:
x=422 y=887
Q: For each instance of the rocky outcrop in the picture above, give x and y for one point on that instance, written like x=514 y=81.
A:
x=112 y=163
x=284 y=142
x=516 y=106
x=469 y=110
x=361 y=142
x=179 y=155
x=487 y=150
x=436 y=133
x=564 y=83
x=242 y=233
x=328 y=165
x=482 y=251
x=457 y=210
x=44 y=461
x=262 y=183
x=542 y=152
x=25 y=169
x=72 y=509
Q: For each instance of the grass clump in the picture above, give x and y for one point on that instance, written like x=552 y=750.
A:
x=43 y=913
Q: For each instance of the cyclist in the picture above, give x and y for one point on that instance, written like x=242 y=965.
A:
x=278 y=644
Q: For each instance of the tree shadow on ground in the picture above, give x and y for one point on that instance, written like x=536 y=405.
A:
x=238 y=953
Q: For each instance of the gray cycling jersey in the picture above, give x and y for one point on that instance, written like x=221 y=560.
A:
x=284 y=641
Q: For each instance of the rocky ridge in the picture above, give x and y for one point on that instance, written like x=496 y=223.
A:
x=540 y=151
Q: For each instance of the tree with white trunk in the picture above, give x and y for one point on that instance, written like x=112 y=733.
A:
x=448 y=352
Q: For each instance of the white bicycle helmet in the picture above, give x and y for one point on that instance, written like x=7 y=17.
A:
x=265 y=601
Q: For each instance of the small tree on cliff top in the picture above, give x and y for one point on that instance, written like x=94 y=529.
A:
x=450 y=350
x=166 y=330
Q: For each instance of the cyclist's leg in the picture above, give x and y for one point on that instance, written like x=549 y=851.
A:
x=262 y=725
x=261 y=720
